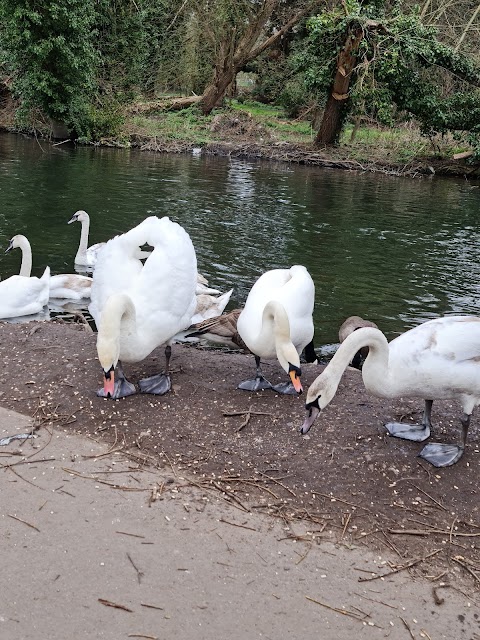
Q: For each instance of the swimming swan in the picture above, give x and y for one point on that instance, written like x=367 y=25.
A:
x=350 y=325
x=277 y=321
x=438 y=360
x=66 y=286
x=86 y=256
x=20 y=296
x=138 y=307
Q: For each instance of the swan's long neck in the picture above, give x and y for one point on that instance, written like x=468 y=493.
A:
x=26 y=266
x=82 y=247
x=375 y=371
x=275 y=320
x=118 y=317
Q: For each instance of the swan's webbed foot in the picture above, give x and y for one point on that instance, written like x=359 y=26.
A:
x=158 y=384
x=285 y=388
x=121 y=389
x=415 y=432
x=255 y=384
x=441 y=455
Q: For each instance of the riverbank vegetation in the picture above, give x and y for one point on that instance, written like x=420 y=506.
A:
x=356 y=82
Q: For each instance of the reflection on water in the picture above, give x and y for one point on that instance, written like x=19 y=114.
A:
x=396 y=251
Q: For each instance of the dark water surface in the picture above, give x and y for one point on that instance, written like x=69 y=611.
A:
x=395 y=250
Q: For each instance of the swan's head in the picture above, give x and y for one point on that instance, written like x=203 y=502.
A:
x=319 y=395
x=108 y=350
x=14 y=243
x=79 y=216
x=290 y=362
x=118 y=311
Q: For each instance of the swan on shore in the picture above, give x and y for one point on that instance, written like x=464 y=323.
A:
x=209 y=306
x=221 y=330
x=350 y=325
x=437 y=360
x=138 y=307
x=65 y=286
x=277 y=321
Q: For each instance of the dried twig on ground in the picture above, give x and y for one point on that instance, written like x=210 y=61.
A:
x=405 y=566
x=107 y=603
x=32 y=526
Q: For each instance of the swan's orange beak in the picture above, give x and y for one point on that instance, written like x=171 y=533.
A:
x=109 y=383
x=296 y=381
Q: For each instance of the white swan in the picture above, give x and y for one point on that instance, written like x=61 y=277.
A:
x=277 y=321
x=66 y=286
x=350 y=325
x=86 y=256
x=210 y=306
x=138 y=307
x=20 y=296
x=438 y=360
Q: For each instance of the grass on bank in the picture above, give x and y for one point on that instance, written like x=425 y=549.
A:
x=254 y=122
x=249 y=122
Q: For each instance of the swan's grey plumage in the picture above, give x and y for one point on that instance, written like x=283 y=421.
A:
x=347 y=327
x=437 y=360
x=221 y=330
x=209 y=306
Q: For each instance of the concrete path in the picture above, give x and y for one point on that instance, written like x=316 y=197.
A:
x=93 y=548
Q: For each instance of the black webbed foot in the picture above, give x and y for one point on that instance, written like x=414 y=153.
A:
x=441 y=455
x=158 y=384
x=415 y=432
x=255 y=384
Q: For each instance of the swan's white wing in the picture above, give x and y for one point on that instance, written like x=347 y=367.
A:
x=164 y=292
x=93 y=252
x=209 y=307
x=70 y=286
x=298 y=298
x=438 y=355
x=267 y=285
x=292 y=287
x=21 y=296
x=116 y=270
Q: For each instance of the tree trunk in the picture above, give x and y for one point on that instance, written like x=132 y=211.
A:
x=234 y=53
x=336 y=108
x=216 y=91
